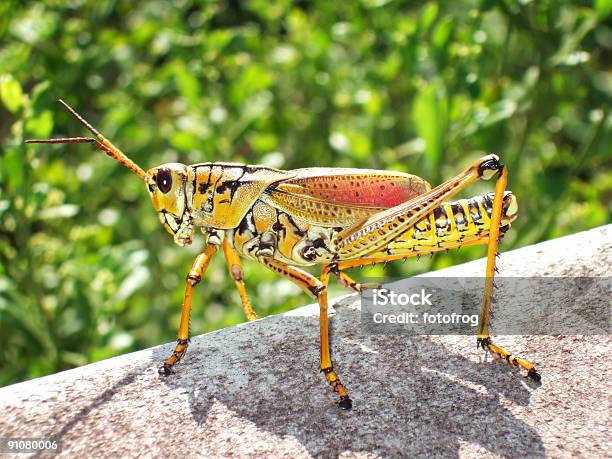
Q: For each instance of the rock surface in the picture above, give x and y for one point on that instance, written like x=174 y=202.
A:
x=255 y=389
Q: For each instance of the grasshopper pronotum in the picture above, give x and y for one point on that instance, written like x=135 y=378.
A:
x=339 y=218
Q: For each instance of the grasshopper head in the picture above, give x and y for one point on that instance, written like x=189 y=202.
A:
x=167 y=187
x=166 y=183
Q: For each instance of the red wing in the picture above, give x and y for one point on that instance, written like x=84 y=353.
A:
x=356 y=187
x=342 y=197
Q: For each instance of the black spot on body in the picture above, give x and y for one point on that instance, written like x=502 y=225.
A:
x=474 y=210
x=297 y=231
x=318 y=243
x=243 y=227
x=221 y=188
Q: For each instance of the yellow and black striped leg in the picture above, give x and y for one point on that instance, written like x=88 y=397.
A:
x=235 y=269
x=504 y=356
x=327 y=366
x=483 y=339
x=193 y=278
x=319 y=290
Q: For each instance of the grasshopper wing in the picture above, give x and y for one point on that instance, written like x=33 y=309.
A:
x=340 y=197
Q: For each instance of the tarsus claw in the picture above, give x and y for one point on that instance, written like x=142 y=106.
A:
x=165 y=370
x=345 y=403
x=534 y=375
x=482 y=342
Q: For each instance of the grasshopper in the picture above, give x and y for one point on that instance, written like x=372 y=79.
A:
x=338 y=218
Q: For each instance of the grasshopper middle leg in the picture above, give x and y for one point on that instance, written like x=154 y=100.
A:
x=346 y=280
x=235 y=269
x=317 y=288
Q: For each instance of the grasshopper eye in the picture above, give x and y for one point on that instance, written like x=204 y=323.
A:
x=164 y=180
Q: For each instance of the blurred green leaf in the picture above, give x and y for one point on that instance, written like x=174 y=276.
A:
x=13 y=168
x=10 y=93
x=187 y=83
x=603 y=8
x=135 y=280
x=63 y=211
x=429 y=115
x=499 y=111
x=428 y=16
x=40 y=126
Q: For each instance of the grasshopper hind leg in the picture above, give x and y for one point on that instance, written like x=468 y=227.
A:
x=484 y=339
x=362 y=244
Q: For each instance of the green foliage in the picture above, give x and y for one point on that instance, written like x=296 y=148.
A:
x=86 y=270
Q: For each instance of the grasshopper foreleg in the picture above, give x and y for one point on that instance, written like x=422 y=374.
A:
x=193 y=278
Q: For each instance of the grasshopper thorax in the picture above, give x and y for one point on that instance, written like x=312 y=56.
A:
x=167 y=187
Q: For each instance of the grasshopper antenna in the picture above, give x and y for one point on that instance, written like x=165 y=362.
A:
x=100 y=142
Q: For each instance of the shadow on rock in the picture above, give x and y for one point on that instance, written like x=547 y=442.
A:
x=411 y=396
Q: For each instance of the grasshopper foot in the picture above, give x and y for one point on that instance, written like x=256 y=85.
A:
x=483 y=342
x=534 y=376
x=504 y=356
x=345 y=403
x=165 y=370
